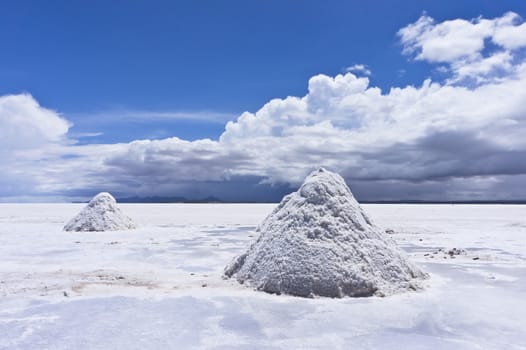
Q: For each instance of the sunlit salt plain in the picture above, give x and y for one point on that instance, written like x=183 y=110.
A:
x=160 y=286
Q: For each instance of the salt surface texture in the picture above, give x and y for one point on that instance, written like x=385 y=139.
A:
x=319 y=242
x=101 y=214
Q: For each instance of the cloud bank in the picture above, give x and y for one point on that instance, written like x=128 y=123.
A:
x=461 y=138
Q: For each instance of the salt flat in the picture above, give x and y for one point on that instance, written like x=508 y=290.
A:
x=160 y=286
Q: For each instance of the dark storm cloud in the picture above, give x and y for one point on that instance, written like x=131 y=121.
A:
x=440 y=155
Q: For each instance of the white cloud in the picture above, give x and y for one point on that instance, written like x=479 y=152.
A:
x=483 y=69
x=508 y=33
x=25 y=124
x=28 y=133
x=351 y=128
x=463 y=45
x=358 y=69
x=86 y=134
x=447 y=41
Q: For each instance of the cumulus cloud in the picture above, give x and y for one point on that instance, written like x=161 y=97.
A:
x=465 y=45
x=437 y=140
x=509 y=32
x=25 y=124
x=373 y=135
x=447 y=41
x=27 y=132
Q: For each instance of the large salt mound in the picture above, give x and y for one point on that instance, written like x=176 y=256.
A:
x=101 y=214
x=319 y=242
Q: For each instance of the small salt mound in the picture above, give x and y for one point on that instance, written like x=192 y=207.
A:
x=319 y=242
x=101 y=214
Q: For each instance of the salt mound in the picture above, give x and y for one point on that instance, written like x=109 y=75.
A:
x=101 y=214
x=319 y=242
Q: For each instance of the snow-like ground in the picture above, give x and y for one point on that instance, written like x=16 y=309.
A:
x=160 y=286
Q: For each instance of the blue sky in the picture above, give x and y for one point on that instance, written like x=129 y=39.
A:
x=93 y=61
x=120 y=71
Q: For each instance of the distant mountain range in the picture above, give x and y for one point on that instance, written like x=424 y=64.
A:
x=168 y=200
x=409 y=201
x=211 y=199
